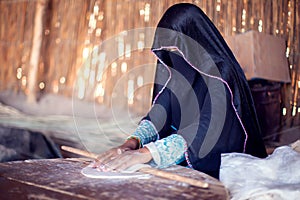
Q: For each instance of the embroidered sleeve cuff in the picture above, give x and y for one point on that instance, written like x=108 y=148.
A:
x=168 y=151
x=145 y=132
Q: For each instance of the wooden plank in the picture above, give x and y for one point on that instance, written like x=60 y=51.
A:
x=61 y=178
x=16 y=189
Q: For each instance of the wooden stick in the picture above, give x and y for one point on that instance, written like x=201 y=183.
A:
x=147 y=170
x=79 y=152
x=174 y=177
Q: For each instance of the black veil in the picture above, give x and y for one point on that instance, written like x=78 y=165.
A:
x=200 y=90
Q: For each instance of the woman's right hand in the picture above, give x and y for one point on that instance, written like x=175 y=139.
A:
x=131 y=144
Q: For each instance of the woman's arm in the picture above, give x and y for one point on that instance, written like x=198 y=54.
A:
x=165 y=152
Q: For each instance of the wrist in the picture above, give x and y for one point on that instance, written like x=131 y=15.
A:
x=147 y=156
x=144 y=150
x=131 y=143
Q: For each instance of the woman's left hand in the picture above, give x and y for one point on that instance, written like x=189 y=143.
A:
x=127 y=159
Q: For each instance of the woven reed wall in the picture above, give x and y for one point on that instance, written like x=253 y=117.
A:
x=71 y=65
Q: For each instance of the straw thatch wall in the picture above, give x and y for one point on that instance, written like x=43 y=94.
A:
x=70 y=64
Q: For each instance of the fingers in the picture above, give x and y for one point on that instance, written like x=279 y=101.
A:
x=122 y=162
x=107 y=156
x=128 y=159
x=104 y=157
x=119 y=159
x=110 y=155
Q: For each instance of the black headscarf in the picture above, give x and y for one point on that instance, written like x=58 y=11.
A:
x=200 y=91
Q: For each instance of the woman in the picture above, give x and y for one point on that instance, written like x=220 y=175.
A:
x=202 y=104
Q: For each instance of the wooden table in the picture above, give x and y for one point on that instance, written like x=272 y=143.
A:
x=61 y=179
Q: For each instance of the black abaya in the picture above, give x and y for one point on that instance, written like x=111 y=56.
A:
x=200 y=91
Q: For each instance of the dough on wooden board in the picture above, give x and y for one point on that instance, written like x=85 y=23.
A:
x=131 y=172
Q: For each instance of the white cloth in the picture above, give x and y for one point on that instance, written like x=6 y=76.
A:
x=275 y=177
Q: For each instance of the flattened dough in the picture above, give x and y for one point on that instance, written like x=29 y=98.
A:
x=90 y=172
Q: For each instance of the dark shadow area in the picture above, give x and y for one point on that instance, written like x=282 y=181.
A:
x=21 y=144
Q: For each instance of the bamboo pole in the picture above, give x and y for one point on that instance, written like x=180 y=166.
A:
x=35 y=50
